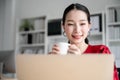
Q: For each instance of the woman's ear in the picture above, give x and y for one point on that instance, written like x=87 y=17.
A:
x=89 y=26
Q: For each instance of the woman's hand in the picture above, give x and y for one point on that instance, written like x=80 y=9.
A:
x=55 y=49
x=73 y=49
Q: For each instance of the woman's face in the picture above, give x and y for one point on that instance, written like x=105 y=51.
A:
x=76 y=26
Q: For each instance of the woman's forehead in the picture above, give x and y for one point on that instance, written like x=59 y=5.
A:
x=76 y=15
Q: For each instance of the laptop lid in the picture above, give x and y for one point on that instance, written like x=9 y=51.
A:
x=69 y=67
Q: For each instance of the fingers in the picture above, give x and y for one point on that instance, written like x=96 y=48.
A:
x=73 y=49
x=55 y=50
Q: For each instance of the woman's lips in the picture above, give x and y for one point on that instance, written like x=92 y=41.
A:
x=76 y=36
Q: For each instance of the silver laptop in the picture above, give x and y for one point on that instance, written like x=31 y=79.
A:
x=67 y=67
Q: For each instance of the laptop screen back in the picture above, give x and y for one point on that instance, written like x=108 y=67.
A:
x=69 y=67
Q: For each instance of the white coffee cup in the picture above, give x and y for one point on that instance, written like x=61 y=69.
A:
x=63 y=47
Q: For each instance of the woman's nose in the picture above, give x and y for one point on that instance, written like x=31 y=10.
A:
x=77 y=28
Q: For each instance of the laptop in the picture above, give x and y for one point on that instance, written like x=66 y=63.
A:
x=65 y=67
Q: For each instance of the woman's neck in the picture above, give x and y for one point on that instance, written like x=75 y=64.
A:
x=83 y=47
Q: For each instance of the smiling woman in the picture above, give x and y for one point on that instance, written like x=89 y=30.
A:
x=76 y=26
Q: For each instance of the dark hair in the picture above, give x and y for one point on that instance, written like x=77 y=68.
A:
x=78 y=7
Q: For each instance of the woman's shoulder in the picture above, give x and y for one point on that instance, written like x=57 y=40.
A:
x=97 y=49
x=98 y=46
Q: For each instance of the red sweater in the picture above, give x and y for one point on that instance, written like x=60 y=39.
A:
x=101 y=49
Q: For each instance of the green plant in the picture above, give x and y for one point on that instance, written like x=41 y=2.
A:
x=26 y=26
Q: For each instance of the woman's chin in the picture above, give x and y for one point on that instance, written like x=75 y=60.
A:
x=77 y=41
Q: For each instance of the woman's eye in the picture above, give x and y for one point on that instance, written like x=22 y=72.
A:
x=82 y=24
x=70 y=24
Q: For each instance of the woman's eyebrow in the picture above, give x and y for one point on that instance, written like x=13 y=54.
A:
x=83 y=20
x=70 y=20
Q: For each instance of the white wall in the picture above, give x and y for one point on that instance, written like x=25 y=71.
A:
x=9 y=29
x=54 y=8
